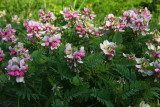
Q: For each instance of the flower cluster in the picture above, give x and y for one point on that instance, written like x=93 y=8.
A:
x=70 y=14
x=17 y=66
x=2 y=13
x=156 y=37
x=129 y=56
x=151 y=65
x=53 y=42
x=83 y=22
x=74 y=56
x=88 y=14
x=2 y=55
x=87 y=25
x=108 y=48
x=16 y=19
x=138 y=20
x=34 y=29
x=46 y=16
x=88 y=28
x=95 y=31
x=20 y=51
x=8 y=34
x=142 y=65
x=115 y=23
x=50 y=29
x=79 y=28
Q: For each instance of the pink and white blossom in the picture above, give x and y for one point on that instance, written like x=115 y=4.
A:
x=53 y=42
x=34 y=29
x=74 y=56
x=46 y=16
x=8 y=34
x=108 y=48
x=2 y=55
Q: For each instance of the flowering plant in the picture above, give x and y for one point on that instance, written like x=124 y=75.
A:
x=8 y=34
x=53 y=42
x=74 y=56
x=2 y=55
x=69 y=59
x=17 y=66
x=108 y=48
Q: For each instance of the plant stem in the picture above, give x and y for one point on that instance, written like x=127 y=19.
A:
x=158 y=102
x=18 y=101
x=62 y=4
x=75 y=2
x=44 y=3
x=82 y=5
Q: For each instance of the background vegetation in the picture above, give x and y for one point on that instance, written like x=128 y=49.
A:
x=26 y=8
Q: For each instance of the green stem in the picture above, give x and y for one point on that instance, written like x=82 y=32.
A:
x=75 y=2
x=44 y=3
x=62 y=5
x=18 y=101
x=82 y=5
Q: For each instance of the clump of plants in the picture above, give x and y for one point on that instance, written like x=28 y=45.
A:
x=68 y=60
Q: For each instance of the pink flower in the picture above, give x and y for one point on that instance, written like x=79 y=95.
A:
x=16 y=73
x=1 y=58
x=138 y=24
x=13 y=30
x=158 y=55
x=111 y=19
x=3 y=33
x=47 y=44
x=122 y=25
x=70 y=17
x=78 y=28
x=58 y=41
x=132 y=58
x=40 y=15
x=12 y=53
x=157 y=70
x=124 y=18
x=77 y=57
x=21 y=73
x=54 y=44
x=154 y=54
x=112 y=51
x=67 y=14
x=97 y=33
x=82 y=54
x=2 y=55
x=86 y=12
x=26 y=68
x=11 y=73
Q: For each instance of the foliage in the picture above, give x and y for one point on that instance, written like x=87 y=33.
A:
x=61 y=79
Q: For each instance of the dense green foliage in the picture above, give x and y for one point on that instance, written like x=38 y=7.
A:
x=50 y=82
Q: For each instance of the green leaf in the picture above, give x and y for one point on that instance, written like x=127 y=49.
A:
x=75 y=80
x=4 y=78
x=117 y=38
